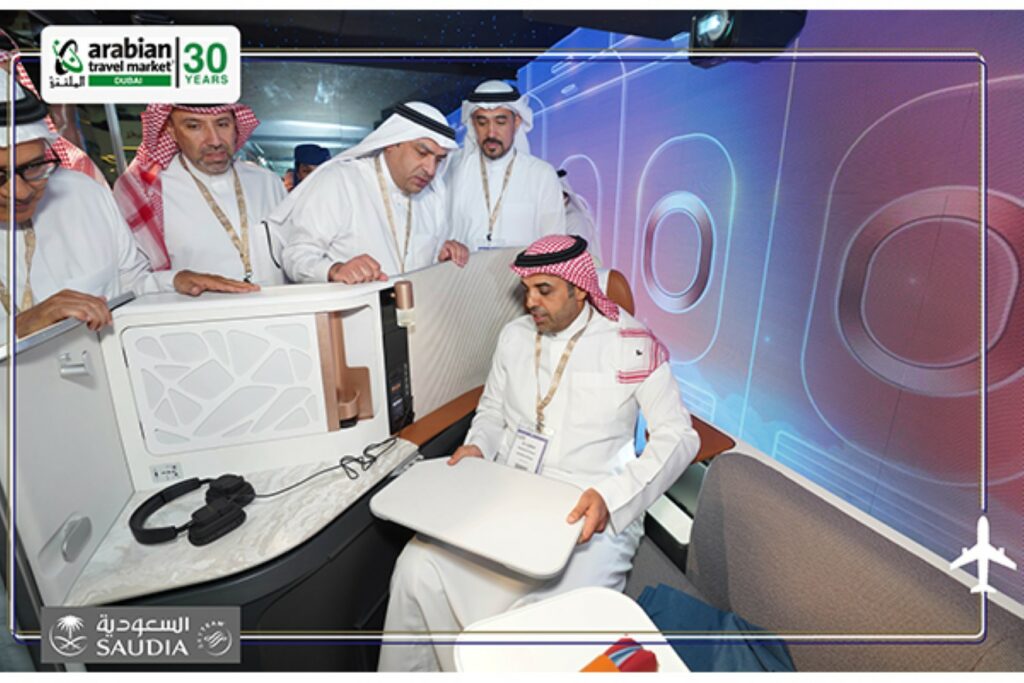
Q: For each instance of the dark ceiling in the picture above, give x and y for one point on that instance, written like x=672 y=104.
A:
x=337 y=100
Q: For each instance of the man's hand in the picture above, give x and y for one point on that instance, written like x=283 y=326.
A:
x=362 y=268
x=591 y=505
x=92 y=310
x=467 y=451
x=454 y=251
x=193 y=284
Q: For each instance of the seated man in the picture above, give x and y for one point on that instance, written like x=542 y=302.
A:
x=376 y=209
x=575 y=371
x=73 y=251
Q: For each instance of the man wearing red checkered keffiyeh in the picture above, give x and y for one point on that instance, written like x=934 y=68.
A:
x=73 y=252
x=574 y=375
x=71 y=157
x=190 y=204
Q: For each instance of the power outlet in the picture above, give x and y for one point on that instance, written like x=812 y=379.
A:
x=167 y=472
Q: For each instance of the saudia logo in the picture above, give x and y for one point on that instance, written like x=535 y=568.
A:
x=67 y=57
x=62 y=635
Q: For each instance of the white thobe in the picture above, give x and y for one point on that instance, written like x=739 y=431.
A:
x=530 y=208
x=82 y=244
x=578 y=221
x=197 y=241
x=339 y=214
x=590 y=422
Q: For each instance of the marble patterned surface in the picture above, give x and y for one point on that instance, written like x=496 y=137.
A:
x=122 y=568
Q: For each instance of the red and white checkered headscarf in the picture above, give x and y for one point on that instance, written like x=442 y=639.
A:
x=139 y=193
x=70 y=156
x=576 y=267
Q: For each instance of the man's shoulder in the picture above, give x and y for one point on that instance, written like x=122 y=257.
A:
x=75 y=180
x=248 y=169
x=634 y=349
x=66 y=184
x=518 y=328
x=538 y=165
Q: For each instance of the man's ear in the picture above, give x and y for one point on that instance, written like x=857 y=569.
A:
x=515 y=125
x=580 y=293
x=170 y=129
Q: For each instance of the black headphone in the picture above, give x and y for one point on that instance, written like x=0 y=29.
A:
x=225 y=498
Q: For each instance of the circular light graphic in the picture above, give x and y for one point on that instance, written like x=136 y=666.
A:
x=961 y=375
x=695 y=211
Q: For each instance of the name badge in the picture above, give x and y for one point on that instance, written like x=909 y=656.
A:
x=527 y=451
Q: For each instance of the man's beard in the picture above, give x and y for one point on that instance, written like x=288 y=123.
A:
x=502 y=149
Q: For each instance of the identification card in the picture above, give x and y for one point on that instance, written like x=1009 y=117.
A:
x=528 y=450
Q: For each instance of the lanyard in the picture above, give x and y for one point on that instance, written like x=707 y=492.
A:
x=241 y=245
x=556 y=378
x=402 y=254
x=492 y=214
x=26 y=297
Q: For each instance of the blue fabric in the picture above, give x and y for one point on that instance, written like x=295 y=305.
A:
x=314 y=155
x=673 y=610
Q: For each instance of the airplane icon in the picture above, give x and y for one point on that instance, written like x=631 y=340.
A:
x=983 y=553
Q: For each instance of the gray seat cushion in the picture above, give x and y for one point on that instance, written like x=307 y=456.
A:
x=782 y=557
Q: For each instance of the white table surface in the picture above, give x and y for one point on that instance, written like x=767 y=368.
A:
x=560 y=634
x=514 y=518
x=123 y=568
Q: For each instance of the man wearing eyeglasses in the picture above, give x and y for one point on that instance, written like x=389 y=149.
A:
x=72 y=249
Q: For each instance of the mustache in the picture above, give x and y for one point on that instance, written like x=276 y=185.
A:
x=496 y=141
x=211 y=149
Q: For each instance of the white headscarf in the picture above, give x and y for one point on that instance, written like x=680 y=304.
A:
x=30 y=112
x=402 y=126
x=579 y=219
x=497 y=95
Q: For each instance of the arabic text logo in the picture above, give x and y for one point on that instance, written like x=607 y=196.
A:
x=67 y=57
x=62 y=636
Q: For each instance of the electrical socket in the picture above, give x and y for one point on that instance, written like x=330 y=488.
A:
x=170 y=471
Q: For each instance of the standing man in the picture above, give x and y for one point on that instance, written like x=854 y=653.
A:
x=575 y=373
x=377 y=209
x=72 y=249
x=188 y=201
x=501 y=195
x=307 y=158
x=578 y=218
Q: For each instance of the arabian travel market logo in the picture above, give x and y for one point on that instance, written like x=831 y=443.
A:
x=62 y=636
x=141 y=64
x=67 y=58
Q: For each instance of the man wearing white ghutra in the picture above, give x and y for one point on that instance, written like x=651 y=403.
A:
x=375 y=210
x=501 y=195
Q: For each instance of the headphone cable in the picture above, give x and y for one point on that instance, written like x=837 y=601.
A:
x=365 y=462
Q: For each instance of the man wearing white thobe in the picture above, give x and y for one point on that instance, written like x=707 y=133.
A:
x=375 y=210
x=501 y=195
x=615 y=369
x=73 y=251
x=578 y=218
x=191 y=204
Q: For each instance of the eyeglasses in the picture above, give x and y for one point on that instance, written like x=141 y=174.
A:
x=33 y=171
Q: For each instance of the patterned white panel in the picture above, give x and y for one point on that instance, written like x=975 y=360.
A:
x=459 y=313
x=225 y=382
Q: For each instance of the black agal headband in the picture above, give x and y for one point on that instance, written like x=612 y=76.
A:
x=524 y=260
x=425 y=121
x=489 y=97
